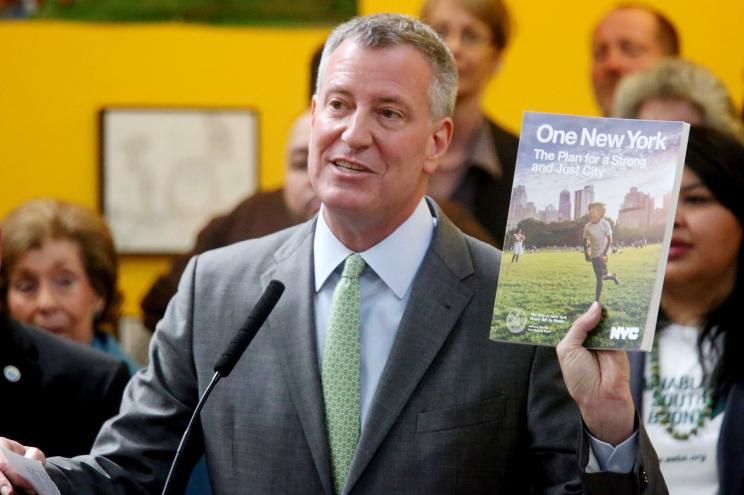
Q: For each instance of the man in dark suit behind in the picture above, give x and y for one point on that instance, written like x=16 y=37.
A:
x=380 y=378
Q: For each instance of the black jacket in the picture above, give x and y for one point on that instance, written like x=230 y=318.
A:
x=55 y=393
x=489 y=202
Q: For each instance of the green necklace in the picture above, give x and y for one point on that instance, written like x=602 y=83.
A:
x=664 y=419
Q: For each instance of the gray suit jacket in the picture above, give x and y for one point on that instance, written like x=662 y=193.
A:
x=453 y=412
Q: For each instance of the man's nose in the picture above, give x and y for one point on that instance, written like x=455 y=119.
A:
x=614 y=61
x=358 y=131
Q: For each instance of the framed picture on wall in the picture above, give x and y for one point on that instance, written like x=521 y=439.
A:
x=166 y=172
x=251 y=12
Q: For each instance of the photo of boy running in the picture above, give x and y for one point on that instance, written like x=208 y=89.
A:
x=597 y=242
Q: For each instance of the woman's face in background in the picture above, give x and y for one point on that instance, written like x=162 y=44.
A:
x=705 y=241
x=48 y=287
x=471 y=42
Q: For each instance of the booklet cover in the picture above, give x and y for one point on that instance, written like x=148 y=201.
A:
x=591 y=217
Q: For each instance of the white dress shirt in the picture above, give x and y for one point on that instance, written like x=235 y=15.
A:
x=385 y=285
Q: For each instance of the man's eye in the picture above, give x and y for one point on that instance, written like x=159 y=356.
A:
x=298 y=164
x=335 y=104
x=633 y=49
x=390 y=114
x=599 y=53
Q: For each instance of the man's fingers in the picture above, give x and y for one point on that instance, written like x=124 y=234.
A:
x=8 y=481
x=581 y=327
x=9 y=477
x=35 y=454
x=13 y=445
x=5 y=487
x=20 y=449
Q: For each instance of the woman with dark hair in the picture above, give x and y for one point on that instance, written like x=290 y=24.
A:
x=60 y=273
x=690 y=389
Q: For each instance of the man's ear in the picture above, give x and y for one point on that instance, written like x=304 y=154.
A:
x=439 y=141
x=313 y=106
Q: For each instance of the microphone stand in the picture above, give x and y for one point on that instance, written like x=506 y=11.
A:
x=227 y=362
x=187 y=434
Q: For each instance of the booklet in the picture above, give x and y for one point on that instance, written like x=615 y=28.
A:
x=591 y=217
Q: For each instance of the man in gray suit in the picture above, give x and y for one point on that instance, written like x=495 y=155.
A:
x=436 y=407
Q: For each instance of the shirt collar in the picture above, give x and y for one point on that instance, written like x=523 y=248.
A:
x=484 y=155
x=395 y=259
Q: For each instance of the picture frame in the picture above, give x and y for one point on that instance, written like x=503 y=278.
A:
x=225 y=12
x=165 y=172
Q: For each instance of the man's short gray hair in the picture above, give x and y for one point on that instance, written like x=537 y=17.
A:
x=681 y=80
x=389 y=30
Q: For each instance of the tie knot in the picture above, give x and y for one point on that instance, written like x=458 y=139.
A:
x=353 y=266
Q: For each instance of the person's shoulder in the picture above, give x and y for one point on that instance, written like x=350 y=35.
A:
x=55 y=352
x=260 y=213
x=469 y=259
x=259 y=199
x=481 y=248
x=465 y=221
x=484 y=256
x=256 y=251
x=109 y=345
x=450 y=235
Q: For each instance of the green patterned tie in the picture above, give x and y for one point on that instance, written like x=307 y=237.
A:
x=340 y=373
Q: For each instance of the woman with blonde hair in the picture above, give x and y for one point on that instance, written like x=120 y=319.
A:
x=59 y=272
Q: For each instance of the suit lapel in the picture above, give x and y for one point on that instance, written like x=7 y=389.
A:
x=293 y=328
x=438 y=298
x=637 y=361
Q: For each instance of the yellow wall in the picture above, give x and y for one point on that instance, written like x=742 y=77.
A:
x=54 y=77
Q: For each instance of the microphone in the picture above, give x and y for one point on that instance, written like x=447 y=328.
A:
x=227 y=361
x=245 y=335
